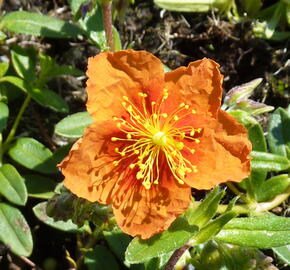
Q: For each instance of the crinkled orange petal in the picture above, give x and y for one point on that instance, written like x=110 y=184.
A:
x=198 y=85
x=222 y=154
x=143 y=213
x=88 y=169
x=123 y=73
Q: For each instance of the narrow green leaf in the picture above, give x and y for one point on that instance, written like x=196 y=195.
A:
x=283 y=253
x=4 y=113
x=43 y=97
x=179 y=233
x=12 y=185
x=29 y=23
x=100 y=258
x=18 y=82
x=68 y=226
x=273 y=187
x=213 y=228
x=117 y=40
x=3 y=68
x=194 y=5
x=14 y=230
x=33 y=155
x=73 y=126
x=39 y=186
x=269 y=162
x=261 y=232
x=24 y=62
x=278 y=132
x=206 y=210
x=49 y=99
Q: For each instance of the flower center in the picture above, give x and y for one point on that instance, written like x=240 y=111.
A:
x=159 y=138
x=147 y=133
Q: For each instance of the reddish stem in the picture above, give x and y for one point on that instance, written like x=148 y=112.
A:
x=107 y=19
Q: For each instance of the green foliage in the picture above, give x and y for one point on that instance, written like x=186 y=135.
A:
x=73 y=126
x=33 y=155
x=100 y=258
x=67 y=226
x=278 y=132
x=29 y=23
x=39 y=186
x=4 y=115
x=15 y=231
x=261 y=232
x=194 y=226
x=12 y=185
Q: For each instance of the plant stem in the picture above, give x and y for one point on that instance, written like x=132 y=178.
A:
x=233 y=188
x=176 y=256
x=107 y=19
x=265 y=206
x=16 y=123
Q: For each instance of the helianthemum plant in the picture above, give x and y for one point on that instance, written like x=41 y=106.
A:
x=154 y=136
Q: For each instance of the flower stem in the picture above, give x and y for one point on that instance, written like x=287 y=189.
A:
x=107 y=19
x=16 y=123
x=242 y=196
x=176 y=256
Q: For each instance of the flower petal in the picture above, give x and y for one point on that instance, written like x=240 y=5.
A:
x=88 y=169
x=141 y=212
x=222 y=154
x=123 y=73
x=198 y=85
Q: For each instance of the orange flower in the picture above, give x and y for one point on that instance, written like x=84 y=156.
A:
x=154 y=136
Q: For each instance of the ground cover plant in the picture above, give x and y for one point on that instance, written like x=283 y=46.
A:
x=144 y=134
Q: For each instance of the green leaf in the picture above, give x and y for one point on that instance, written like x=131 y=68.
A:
x=273 y=187
x=12 y=185
x=3 y=68
x=14 y=230
x=100 y=258
x=261 y=232
x=24 y=62
x=213 y=228
x=117 y=40
x=269 y=162
x=194 y=5
x=68 y=226
x=278 y=132
x=49 y=99
x=75 y=5
x=179 y=233
x=18 y=82
x=118 y=242
x=29 y=23
x=43 y=97
x=33 y=155
x=206 y=210
x=74 y=125
x=39 y=186
x=4 y=113
x=94 y=28
x=283 y=253
x=49 y=69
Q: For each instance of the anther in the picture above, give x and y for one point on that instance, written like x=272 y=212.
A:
x=114 y=139
x=125 y=98
x=193 y=111
x=175 y=117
